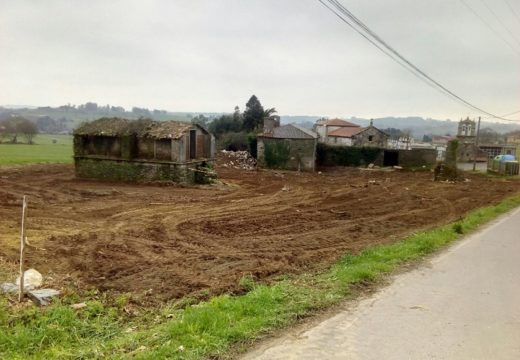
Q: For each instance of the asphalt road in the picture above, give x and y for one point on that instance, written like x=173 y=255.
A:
x=463 y=304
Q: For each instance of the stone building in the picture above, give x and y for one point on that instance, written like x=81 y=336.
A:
x=468 y=149
x=369 y=136
x=325 y=126
x=467 y=131
x=290 y=147
x=142 y=150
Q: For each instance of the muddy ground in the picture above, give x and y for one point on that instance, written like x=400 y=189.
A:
x=171 y=241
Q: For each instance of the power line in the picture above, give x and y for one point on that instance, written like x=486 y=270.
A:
x=500 y=22
x=489 y=26
x=408 y=65
x=512 y=10
x=383 y=50
x=413 y=68
x=508 y=114
x=512 y=113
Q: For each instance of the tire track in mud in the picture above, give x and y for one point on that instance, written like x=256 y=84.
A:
x=171 y=241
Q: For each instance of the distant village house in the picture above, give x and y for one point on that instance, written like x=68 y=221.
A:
x=341 y=132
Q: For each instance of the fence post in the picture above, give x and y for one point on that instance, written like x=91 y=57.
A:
x=22 y=250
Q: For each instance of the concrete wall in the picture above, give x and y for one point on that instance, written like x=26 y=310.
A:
x=290 y=154
x=138 y=171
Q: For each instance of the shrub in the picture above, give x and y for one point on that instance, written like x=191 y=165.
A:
x=276 y=154
x=234 y=141
x=346 y=155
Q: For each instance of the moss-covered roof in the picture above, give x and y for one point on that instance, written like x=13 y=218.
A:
x=168 y=129
x=141 y=128
x=103 y=126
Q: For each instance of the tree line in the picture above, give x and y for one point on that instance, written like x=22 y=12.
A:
x=13 y=128
x=238 y=130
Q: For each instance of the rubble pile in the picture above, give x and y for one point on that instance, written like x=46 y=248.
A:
x=32 y=280
x=238 y=160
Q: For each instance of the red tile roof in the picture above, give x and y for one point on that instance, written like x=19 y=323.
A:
x=339 y=122
x=346 y=131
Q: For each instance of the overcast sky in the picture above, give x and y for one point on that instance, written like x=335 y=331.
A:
x=295 y=55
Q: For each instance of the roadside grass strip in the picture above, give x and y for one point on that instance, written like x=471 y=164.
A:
x=223 y=325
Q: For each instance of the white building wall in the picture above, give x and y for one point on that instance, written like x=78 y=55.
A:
x=336 y=140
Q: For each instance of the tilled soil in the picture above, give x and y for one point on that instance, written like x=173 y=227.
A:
x=172 y=241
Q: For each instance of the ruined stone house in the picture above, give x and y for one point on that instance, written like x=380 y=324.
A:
x=142 y=150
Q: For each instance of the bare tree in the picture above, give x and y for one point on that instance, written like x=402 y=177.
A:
x=15 y=126
x=28 y=129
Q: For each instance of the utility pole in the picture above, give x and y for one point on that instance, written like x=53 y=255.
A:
x=476 y=146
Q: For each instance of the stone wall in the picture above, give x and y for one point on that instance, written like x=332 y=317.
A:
x=139 y=171
x=370 y=137
x=97 y=145
x=290 y=154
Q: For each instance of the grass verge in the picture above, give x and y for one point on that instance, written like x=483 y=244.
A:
x=210 y=329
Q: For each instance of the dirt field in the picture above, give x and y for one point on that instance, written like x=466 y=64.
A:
x=170 y=241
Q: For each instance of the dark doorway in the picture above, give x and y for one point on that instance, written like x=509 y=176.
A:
x=193 y=144
x=391 y=158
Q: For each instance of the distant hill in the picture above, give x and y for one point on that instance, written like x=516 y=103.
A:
x=65 y=118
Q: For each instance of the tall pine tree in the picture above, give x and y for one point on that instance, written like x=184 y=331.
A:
x=253 y=114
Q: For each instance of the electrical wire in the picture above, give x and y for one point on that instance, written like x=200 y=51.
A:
x=512 y=10
x=500 y=21
x=383 y=50
x=395 y=55
x=490 y=27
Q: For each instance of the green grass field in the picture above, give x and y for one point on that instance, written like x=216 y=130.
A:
x=43 y=151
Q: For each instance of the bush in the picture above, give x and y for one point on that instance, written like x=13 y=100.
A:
x=457 y=228
x=346 y=155
x=252 y=140
x=276 y=154
x=238 y=141
x=234 y=141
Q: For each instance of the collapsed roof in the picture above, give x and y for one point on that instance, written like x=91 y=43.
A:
x=141 y=128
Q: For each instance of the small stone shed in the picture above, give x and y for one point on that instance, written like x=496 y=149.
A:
x=290 y=147
x=142 y=150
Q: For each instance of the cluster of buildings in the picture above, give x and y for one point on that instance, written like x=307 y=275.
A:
x=146 y=150
x=469 y=149
x=295 y=147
